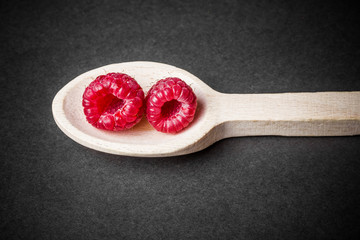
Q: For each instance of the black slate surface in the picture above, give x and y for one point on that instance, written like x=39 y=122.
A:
x=239 y=188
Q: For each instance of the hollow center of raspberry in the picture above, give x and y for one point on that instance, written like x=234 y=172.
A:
x=110 y=104
x=170 y=108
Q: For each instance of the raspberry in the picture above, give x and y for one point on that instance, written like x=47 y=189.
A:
x=170 y=105
x=114 y=101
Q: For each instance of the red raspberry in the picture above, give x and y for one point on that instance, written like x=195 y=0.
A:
x=170 y=105
x=113 y=102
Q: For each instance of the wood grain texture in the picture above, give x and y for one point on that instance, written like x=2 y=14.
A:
x=218 y=115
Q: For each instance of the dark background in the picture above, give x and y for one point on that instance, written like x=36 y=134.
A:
x=239 y=188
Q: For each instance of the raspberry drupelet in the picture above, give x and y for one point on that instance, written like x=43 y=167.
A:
x=114 y=102
x=170 y=105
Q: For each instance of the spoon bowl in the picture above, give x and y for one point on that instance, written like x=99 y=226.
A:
x=142 y=139
x=218 y=115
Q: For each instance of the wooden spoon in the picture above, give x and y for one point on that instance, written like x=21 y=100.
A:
x=218 y=115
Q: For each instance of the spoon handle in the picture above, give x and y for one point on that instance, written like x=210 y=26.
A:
x=290 y=114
